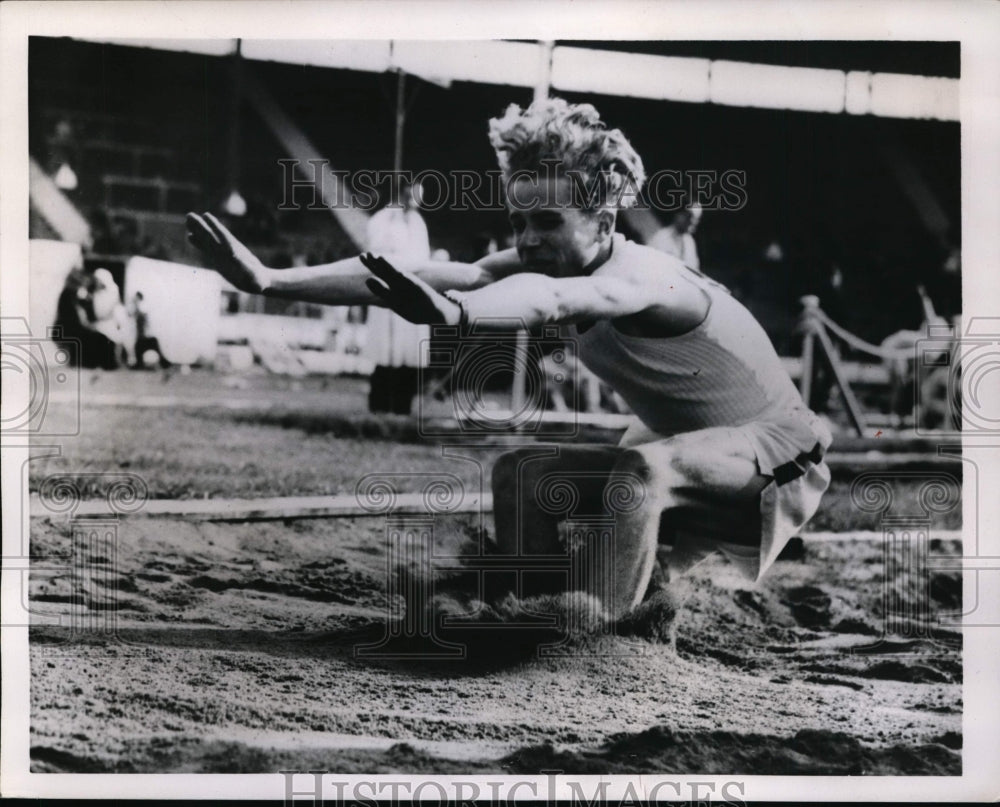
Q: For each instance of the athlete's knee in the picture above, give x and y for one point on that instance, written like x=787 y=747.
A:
x=636 y=478
x=688 y=461
x=660 y=474
x=689 y=468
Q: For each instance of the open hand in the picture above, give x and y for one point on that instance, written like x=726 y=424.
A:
x=408 y=295
x=224 y=253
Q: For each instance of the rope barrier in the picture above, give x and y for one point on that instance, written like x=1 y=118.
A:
x=858 y=343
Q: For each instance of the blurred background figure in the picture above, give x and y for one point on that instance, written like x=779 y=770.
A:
x=110 y=318
x=72 y=316
x=677 y=238
x=89 y=310
x=395 y=345
x=64 y=154
x=147 y=346
x=902 y=376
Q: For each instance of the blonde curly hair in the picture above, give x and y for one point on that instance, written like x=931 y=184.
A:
x=574 y=140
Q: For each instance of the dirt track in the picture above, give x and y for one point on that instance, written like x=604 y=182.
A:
x=235 y=653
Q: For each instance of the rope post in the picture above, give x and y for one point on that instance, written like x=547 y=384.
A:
x=853 y=407
x=810 y=305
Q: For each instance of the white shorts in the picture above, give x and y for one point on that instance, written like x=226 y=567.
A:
x=790 y=451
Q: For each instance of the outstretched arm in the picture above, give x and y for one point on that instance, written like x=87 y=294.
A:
x=343 y=282
x=525 y=300
x=536 y=299
x=338 y=283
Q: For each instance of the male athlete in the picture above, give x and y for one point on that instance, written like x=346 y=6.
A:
x=723 y=447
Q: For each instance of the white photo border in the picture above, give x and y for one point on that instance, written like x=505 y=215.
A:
x=976 y=25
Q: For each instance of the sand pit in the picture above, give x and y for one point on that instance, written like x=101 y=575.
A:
x=233 y=650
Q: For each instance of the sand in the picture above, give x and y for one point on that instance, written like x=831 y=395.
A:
x=231 y=647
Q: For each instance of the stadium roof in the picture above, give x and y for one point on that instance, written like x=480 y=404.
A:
x=609 y=72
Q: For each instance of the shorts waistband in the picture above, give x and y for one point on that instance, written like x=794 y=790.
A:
x=792 y=470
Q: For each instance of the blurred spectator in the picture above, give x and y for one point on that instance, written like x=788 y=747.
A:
x=109 y=316
x=147 y=346
x=394 y=344
x=677 y=238
x=64 y=155
x=75 y=316
x=769 y=291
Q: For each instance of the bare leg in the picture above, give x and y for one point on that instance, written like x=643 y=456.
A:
x=711 y=474
x=707 y=471
x=535 y=489
x=526 y=506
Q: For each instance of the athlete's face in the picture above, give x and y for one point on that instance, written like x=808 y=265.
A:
x=552 y=235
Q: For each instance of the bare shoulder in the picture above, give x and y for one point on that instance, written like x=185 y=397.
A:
x=642 y=264
x=501 y=264
x=663 y=280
